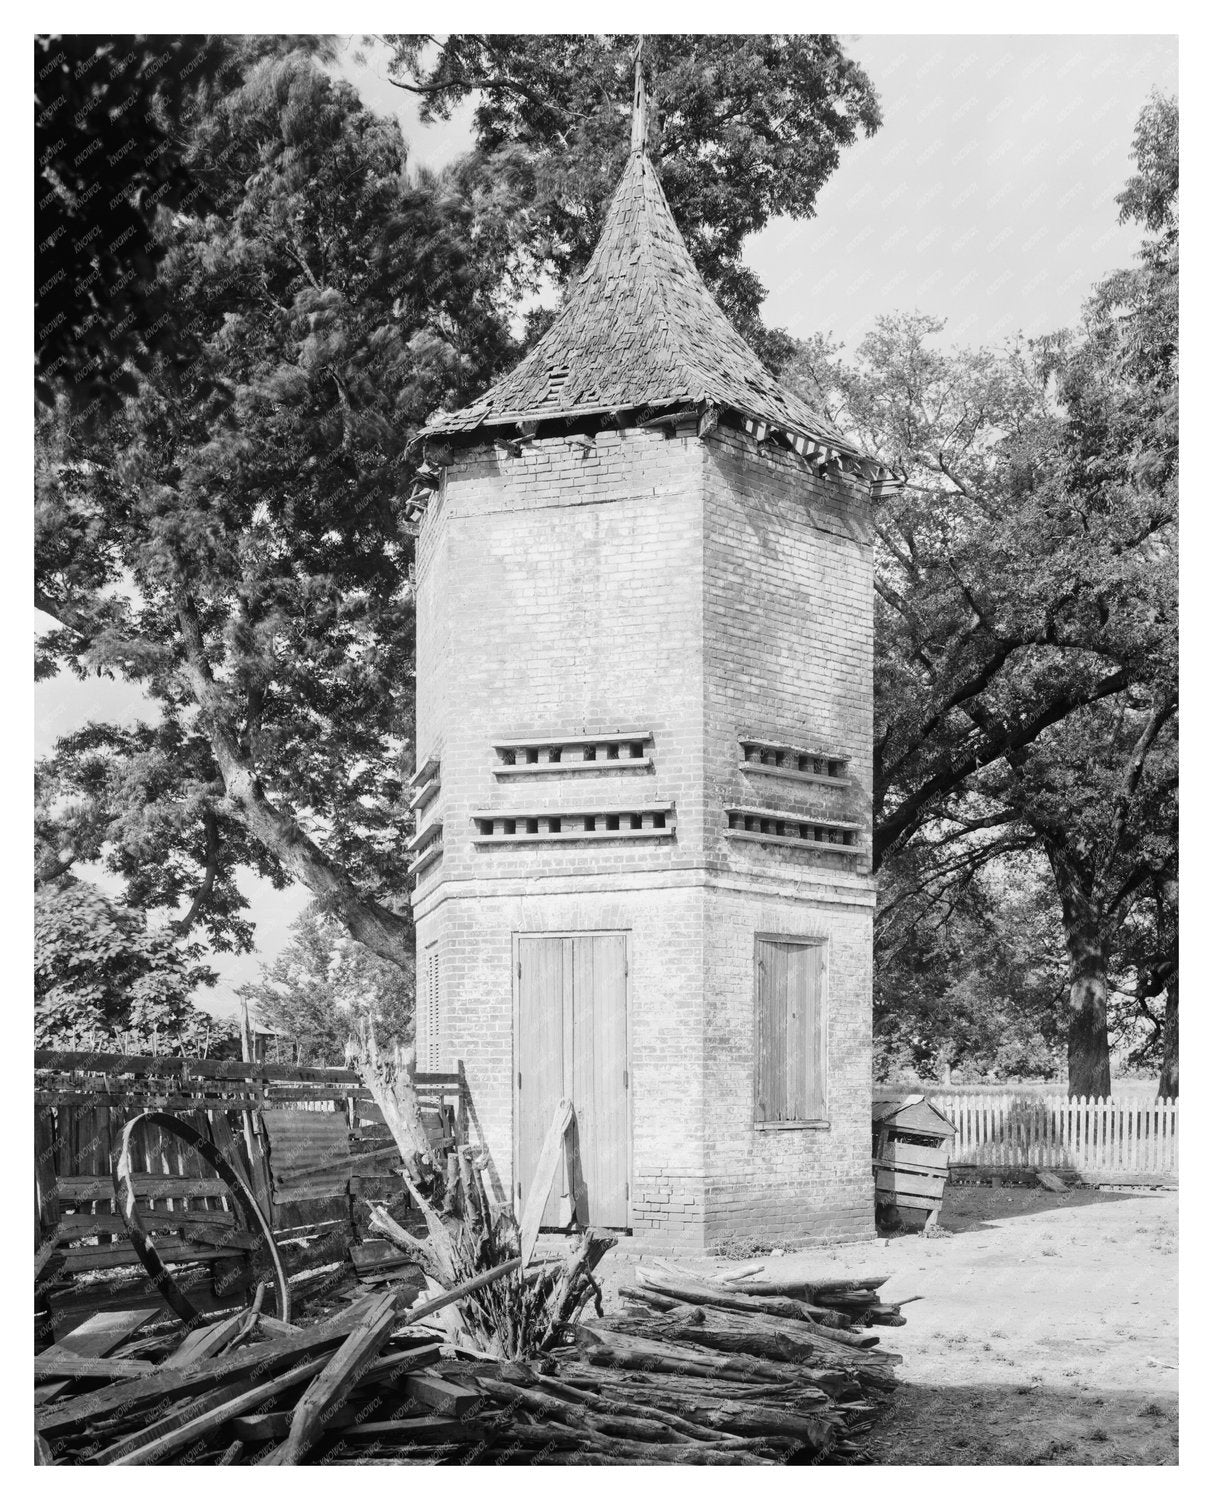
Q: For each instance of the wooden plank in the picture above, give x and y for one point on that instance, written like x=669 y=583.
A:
x=906 y=1154
x=797 y=1044
x=137 y=1100
x=96 y=1336
x=73 y=1305
x=541 y=1081
x=156 y=1186
x=778 y=1023
x=74 y=1226
x=539 y=1191
x=175 y=1385
x=101 y=1257
x=441 y=1395
x=767 y=999
x=599 y=1139
x=339 y=1375
x=404 y=1431
x=206 y=1343
x=171 y=1434
x=61 y=1364
x=46 y=1185
x=115 y=1063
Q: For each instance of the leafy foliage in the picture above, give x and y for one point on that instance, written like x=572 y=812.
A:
x=323 y=986
x=103 y=979
x=1026 y=678
x=230 y=538
x=743 y=127
x=243 y=558
x=109 y=170
x=974 y=985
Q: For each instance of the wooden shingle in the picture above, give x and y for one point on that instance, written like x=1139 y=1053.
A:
x=638 y=329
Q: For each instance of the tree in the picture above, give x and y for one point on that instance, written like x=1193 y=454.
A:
x=973 y=984
x=323 y=986
x=1026 y=619
x=1001 y=608
x=103 y=980
x=1118 y=837
x=244 y=558
x=743 y=127
x=231 y=538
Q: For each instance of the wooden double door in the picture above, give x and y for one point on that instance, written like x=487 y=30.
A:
x=572 y=1042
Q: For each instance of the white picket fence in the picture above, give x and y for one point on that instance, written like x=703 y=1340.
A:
x=1071 y=1134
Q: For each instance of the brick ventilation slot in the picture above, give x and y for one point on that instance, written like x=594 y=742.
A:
x=624 y=750
x=823 y=766
x=770 y=826
x=542 y=827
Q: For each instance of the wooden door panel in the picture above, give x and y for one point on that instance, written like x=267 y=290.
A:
x=572 y=1040
x=600 y=1139
x=541 y=1058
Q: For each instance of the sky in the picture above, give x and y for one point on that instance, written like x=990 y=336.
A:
x=987 y=197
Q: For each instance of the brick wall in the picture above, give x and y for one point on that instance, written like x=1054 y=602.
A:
x=699 y=590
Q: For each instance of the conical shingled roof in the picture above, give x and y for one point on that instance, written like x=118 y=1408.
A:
x=640 y=329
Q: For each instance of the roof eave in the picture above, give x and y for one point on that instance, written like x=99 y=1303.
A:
x=457 y=423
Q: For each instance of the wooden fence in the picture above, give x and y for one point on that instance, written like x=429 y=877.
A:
x=268 y=1119
x=1096 y=1137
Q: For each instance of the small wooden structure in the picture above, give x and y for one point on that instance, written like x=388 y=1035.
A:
x=910 y=1144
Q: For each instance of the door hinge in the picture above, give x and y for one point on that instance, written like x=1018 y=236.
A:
x=520 y=1081
x=520 y=968
x=625 y=1078
x=627 y=1192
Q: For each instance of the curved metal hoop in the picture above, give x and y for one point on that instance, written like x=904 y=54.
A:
x=248 y=1209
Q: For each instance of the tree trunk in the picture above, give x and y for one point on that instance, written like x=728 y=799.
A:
x=384 y=932
x=1168 y=1081
x=1090 y=1068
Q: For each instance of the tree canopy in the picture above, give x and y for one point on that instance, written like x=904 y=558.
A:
x=228 y=534
x=743 y=127
x=104 y=980
x=231 y=538
x=242 y=557
x=1026 y=662
x=323 y=987
x=110 y=168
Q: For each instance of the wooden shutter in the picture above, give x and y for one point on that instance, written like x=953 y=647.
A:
x=430 y=991
x=790 y=1060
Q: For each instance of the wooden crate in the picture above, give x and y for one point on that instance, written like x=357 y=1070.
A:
x=911 y=1141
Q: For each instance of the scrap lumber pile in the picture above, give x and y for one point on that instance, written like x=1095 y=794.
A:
x=494 y=1362
x=677 y=1381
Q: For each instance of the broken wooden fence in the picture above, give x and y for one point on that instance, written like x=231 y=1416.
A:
x=305 y=1140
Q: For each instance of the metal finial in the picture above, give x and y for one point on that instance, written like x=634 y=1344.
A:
x=640 y=102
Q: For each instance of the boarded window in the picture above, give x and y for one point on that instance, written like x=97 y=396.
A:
x=790 y=1030
x=430 y=1007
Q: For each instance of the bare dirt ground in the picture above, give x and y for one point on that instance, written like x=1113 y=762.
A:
x=1048 y=1333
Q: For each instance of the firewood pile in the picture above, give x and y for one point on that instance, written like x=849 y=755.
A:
x=694 y=1372
x=496 y=1362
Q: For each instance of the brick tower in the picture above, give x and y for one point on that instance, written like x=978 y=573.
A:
x=643 y=796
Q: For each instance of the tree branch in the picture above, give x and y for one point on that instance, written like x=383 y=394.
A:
x=383 y=931
x=910 y=813
x=210 y=826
